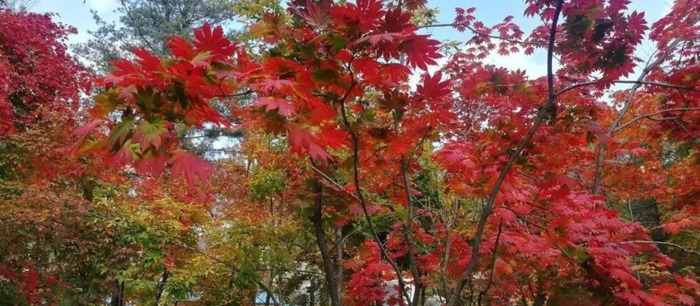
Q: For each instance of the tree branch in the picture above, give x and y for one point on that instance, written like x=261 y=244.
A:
x=598 y=176
x=662 y=243
x=247 y=92
x=637 y=82
x=332 y=181
x=358 y=190
x=475 y=31
x=488 y=207
x=493 y=264
x=409 y=234
x=598 y=173
x=640 y=117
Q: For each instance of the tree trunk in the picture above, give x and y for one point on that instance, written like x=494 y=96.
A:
x=339 y=260
x=118 y=297
x=161 y=284
x=317 y=220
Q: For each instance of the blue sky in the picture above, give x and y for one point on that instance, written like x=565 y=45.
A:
x=77 y=14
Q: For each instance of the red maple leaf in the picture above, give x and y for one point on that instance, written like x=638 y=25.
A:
x=213 y=41
x=420 y=50
x=190 y=166
x=284 y=107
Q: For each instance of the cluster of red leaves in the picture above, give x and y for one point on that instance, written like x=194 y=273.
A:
x=666 y=169
x=596 y=36
x=505 y=36
x=369 y=274
x=38 y=75
x=680 y=23
x=600 y=37
x=153 y=95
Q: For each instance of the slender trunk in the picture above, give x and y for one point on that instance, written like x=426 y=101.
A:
x=312 y=292
x=540 y=300
x=339 y=260
x=160 y=288
x=448 y=245
x=493 y=264
x=317 y=220
x=118 y=297
x=417 y=282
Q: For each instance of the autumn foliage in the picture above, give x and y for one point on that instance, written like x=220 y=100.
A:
x=474 y=185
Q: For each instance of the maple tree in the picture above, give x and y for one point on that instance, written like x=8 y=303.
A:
x=71 y=232
x=32 y=70
x=475 y=185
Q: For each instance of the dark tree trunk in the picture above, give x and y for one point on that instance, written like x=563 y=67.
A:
x=317 y=220
x=161 y=284
x=118 y=297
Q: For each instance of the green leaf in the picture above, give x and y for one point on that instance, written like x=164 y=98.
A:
x=120 y=132
x=338 y=42
x=324 y=75
x=200 y=60
x=104 y=104
x=150 y=132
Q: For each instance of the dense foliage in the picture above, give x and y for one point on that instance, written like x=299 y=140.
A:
x=351 y=184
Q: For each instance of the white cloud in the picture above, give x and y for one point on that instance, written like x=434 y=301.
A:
x=533 y=69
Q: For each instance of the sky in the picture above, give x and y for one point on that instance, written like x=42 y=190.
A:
x=77 y=13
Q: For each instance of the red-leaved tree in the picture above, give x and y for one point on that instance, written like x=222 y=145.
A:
x=524 y=169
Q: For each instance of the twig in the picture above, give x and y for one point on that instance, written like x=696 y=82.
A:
x=637 y=82
x=640 y=117
x=330 y=180
x=662 y=243
x=247 y=92
x=475 y=31
x=408 y=233
x=493 y=263
x=546 y=232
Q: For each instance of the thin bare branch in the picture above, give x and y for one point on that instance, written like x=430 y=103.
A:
x=650 y=115
x=245 y=93
x=332 y=181
x=409 y=234
x=598 y=173
x=637 y=82
x=492 y=264
x=477 y=32
x=663 y=243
